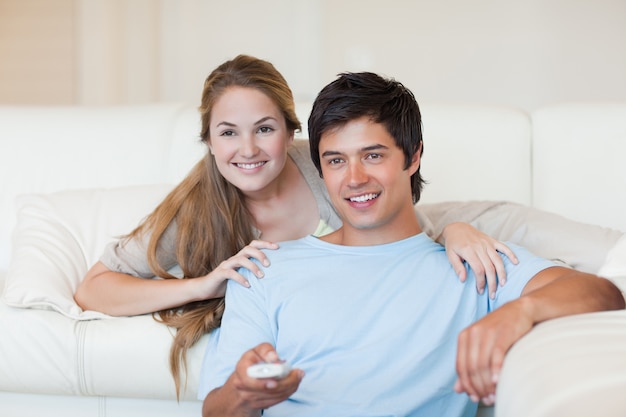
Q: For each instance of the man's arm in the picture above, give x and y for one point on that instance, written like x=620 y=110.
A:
x=552 y=293
x=242 y=396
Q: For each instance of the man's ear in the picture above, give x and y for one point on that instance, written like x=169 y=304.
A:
x=416 y=160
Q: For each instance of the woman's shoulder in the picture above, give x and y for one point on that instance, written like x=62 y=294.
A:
x=300 y=151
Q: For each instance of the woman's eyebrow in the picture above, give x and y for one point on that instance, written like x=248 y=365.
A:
x=265 y=119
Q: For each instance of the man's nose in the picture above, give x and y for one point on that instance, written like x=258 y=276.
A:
x=357 y=174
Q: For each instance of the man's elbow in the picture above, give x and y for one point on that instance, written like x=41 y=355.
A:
x=613 y=296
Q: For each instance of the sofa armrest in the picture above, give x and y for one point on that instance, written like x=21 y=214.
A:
x=572 y=366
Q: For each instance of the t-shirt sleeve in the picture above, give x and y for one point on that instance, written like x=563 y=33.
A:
x=518 y=275
x=129 y=256
x=245 y=324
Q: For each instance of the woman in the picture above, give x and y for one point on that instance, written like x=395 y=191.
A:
x=255 y=183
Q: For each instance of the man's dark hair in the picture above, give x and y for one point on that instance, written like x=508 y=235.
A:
x=382 y=100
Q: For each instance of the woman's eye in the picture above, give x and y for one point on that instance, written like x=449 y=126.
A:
x=265 y=129
x=227 y=133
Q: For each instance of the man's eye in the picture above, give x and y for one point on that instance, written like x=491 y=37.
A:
x=335 y=161
x=374 y=156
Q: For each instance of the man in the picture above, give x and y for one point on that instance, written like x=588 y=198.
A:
x=370 y=316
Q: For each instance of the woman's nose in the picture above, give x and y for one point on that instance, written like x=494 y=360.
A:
x=248 y=147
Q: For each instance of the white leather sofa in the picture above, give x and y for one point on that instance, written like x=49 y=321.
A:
x=72 y=178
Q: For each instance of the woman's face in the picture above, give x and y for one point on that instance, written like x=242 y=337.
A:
x=248 y=138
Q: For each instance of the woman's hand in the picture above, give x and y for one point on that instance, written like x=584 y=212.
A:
x=214 y=283
x=463 y=242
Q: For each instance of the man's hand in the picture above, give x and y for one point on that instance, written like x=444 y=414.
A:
x=242 y=395
x=554 y=292
x=482 y=347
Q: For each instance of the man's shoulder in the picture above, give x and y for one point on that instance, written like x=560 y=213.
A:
x=288 y=249
x=518 y=275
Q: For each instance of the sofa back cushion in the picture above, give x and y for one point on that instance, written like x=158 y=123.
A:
x=475 y=153
x=579 y=168
x=48 y=149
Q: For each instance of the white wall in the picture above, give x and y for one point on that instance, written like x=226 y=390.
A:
x=521 y=53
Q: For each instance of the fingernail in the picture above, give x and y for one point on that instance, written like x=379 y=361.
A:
x=260 y=274
x=492 y=295
x=266 y=263
x=474 y=398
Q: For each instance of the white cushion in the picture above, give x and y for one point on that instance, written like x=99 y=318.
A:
x=475 y=153
x=614 y=267
x=573 y=366
x=578 y=162
x=47 y=149
x=60 y=235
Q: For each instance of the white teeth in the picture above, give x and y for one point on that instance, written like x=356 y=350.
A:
x=251 y=166
x=362 y=198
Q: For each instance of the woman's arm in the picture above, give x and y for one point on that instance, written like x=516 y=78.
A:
x=120 y=294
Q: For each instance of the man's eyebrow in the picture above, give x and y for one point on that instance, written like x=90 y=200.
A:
x=330 y=153
x=374 y=147
x=365 y=149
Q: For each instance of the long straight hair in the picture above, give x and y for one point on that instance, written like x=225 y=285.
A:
x=212 y=220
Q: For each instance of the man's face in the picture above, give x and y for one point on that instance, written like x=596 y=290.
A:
x=363 y=169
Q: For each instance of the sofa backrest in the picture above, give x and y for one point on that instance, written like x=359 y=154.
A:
x=48 y=149
x=568 y=160
x=474 y=152
x=579 y=168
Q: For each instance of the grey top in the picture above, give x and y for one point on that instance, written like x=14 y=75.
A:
x=129 y=256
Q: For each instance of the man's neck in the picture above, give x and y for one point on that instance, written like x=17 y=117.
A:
x=351 y=236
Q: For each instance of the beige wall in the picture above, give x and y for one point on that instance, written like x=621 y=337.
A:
x=37 y=54
x=521 y=53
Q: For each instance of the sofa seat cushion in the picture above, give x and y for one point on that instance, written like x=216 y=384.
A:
x=119 y=357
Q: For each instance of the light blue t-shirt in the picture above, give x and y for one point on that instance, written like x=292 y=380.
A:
x=374 y=327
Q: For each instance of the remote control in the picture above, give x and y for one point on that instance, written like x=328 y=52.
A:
x=269 y=370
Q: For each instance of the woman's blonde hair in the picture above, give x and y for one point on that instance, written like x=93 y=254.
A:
x=211 y=218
